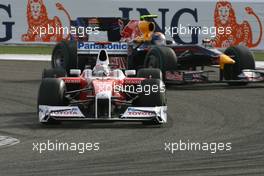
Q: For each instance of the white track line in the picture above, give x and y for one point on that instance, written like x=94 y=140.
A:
x=25 y=57
x=260 y=64
x=8 y=141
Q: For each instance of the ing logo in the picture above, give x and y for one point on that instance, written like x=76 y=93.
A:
x=224 y=16
x=37 y=17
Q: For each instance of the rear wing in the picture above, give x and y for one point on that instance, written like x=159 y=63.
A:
x=92 y=44
x=112 y=25
x=88 y=52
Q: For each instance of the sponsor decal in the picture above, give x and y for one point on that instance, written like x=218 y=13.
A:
x=72 y=81
x=38 y=18
x=133 y=81
x=8 y=25
x=245 y=19
x=140 y=113
x=147 y=112
x=94 y=46
x=66 y=112
x=225 y=16
x=137 y=112
x=58 y=111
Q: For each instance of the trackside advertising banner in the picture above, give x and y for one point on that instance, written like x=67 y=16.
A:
x=185 y=22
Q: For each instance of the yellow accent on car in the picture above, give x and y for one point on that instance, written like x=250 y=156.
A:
x=146 y=28
x=224 y=59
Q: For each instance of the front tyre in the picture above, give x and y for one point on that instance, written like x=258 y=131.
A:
x=244 y=59
x=153 y=94
x=161 y=57
x=52 y=93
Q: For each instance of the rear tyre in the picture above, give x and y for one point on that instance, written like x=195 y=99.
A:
x=244 y=59
x=161 y=57
x=64 y=55
x=51 y=93
x=153 y=73
x=54 y=73
x=153 y=95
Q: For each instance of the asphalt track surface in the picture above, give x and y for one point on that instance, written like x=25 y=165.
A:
x=208 y=113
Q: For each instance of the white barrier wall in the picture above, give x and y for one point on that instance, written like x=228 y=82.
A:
x=244 y=18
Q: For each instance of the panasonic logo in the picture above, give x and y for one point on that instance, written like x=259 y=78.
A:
x=94 y=46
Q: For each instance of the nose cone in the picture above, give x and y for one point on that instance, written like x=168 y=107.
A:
x=102 y=57
x=224 y=59
x=103 y=86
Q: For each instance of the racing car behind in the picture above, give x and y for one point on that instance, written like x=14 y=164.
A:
x=135 y=44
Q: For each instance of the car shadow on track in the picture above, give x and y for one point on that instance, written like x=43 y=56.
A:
x=96 y=125
x=29 y=120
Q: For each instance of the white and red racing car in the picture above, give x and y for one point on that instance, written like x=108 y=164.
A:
x=102 y=94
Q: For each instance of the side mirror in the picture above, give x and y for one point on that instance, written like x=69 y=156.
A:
x=75 y=72
x=130 y=72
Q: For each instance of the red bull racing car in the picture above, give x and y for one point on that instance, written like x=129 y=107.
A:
x=102 y=94
x=135 y=44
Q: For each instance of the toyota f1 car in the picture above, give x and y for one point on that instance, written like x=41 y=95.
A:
x=135 y=44
x=102 y=94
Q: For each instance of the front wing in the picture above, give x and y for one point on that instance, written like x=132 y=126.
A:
x=71 y=113
x=185 y=77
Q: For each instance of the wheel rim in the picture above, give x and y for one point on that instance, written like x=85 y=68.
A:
x=58 y=60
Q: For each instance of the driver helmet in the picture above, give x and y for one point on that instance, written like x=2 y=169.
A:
x=101 y=70
x=158 y=38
